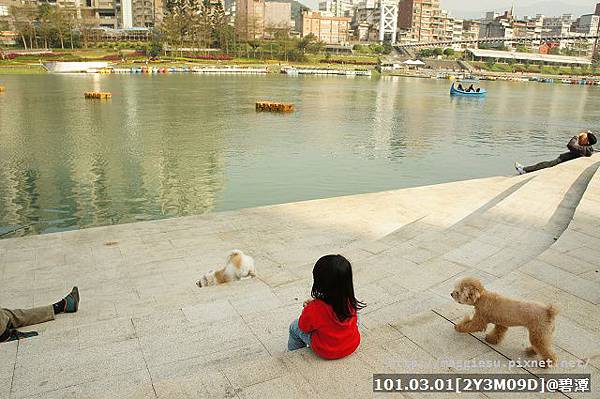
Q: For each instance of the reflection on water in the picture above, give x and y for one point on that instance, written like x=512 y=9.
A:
x=177 y=145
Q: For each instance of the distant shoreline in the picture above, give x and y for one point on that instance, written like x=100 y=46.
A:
x=35 y=69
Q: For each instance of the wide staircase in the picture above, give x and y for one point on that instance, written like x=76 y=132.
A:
x=145 y=330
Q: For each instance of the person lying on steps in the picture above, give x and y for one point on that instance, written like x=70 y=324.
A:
x=10 y=320
x=579 y=146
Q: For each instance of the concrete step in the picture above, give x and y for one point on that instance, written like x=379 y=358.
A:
x=145 y=330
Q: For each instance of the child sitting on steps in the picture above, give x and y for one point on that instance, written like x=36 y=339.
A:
x=328 y=323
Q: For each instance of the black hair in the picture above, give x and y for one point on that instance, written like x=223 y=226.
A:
x=332 y=283
x=591 y=139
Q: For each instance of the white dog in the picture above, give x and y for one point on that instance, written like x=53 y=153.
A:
x=239 y=266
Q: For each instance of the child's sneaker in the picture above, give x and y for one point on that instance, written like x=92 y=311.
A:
x=520 y=169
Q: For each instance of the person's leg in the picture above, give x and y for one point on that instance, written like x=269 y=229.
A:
x=28 y=317
x=298 y=339
x=567 y=156
x=542 y=165
x=10 y=319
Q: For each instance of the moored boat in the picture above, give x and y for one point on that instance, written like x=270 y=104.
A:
x=75 y=67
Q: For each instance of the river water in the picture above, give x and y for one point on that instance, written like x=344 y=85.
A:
x=174 y=145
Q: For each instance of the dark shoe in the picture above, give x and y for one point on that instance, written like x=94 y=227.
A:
x=72 y=301
x=13 y=335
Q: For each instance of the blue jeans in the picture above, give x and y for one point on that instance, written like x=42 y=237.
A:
x=298 y=339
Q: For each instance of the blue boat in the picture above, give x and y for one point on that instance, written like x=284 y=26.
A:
x=456 y=92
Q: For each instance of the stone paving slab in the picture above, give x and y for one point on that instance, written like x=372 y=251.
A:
x=145 y=330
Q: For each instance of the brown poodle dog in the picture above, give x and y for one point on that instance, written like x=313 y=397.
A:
x=491 y=307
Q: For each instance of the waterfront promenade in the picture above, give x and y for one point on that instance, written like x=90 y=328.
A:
x=145 y=330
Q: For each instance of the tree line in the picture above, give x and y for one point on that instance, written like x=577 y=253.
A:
x=187 y=26
x=45 y=26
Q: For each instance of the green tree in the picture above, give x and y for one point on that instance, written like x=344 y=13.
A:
x=24 y=19
x=154 y=49
x=425 y=53
x=438 y=51
x=304 y=43
x=46 y=29
x=449 y=52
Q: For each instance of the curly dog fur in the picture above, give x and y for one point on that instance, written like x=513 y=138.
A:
x=493 y=308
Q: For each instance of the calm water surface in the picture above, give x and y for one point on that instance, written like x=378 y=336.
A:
x=173 y=145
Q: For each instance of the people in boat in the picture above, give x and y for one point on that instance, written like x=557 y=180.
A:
x=460 y=87
x=579 y=146
x=470 y=89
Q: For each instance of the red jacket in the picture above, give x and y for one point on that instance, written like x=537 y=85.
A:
x=330 y=338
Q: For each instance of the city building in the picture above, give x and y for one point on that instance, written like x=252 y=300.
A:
x=110 y=14
x=337 y=8
x=497 y=26
x=557 y=26
x=507 y=26
x=588 y=24
x=277 y=17
x=376 y=20
x=328 y=29
x=257 y=19
x=470 y=31
x=416 y=20
x=98 y=13
x=365 y=22
x=425 y=21
x=457 y=29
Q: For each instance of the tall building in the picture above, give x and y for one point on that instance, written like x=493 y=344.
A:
x=588 y=24
x=557 y=26
x=114 y=14
x=337 y=8
x=415 y=19
x=278 y=18
x=425 y=21
x=457 y=29
x=99 y=13
x=257 y=19
x=497 y=26
x=365 y=21
x=328 y=29
x=249 y=19
x=471 y=31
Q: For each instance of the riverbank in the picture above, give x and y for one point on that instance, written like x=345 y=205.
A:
x=145 y=330
x=497 y=76
x=24 y=64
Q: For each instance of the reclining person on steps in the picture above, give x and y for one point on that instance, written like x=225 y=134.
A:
x=10 y=320
x=579 y=146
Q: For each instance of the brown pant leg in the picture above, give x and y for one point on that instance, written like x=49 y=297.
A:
x=27 y=317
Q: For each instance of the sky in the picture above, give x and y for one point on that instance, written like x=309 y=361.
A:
x=476 y=8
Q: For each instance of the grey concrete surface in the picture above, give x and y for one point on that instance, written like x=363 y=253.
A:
x=144 y=330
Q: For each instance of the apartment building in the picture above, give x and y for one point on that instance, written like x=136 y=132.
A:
x=328 y=29
x=337 y=8
x=257 y=19
x=424 y=21
x=557 y=26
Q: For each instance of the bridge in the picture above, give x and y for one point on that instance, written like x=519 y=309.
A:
x=520 y=39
